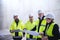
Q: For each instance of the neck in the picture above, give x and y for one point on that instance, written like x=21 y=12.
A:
x=31 y=21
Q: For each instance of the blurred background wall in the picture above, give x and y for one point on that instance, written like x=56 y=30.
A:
x=24 y=7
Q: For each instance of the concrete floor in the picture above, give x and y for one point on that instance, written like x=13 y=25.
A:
x=5 y=35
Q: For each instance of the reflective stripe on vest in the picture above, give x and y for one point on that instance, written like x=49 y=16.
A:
x=20 y=26
x=42 y=27
x=49 y=30
x=29 y=26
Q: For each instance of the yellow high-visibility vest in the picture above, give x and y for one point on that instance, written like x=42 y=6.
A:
x=29 y=26
x=49 y=30
x=14 y=27
x=42 y=27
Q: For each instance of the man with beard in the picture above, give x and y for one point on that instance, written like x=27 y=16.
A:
x=15 y=27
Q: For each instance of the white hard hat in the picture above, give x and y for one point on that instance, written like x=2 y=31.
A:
x=15 y=15
x=30 y=14
x=40 y=11
x=50 y=16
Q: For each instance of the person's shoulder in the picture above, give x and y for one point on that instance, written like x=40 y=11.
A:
x=36 y=20
x=20 y=20
x=13 y=21
x=27 y=22
x=56 y=25
x=44 y=18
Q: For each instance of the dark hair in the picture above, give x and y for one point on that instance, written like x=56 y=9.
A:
x=15 y=16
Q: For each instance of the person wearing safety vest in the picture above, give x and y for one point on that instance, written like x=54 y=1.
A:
x=30 y=25
x=52 y=29
x=40 y=23
x=15 y=27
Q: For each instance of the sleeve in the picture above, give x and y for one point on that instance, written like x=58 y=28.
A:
x=11 y=27
x=22 y=25
x=26 y=27
x=56 y=31
x=36 y=22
